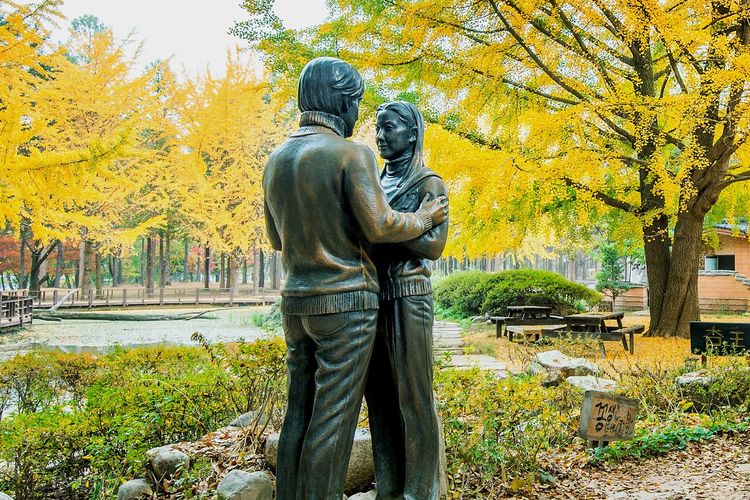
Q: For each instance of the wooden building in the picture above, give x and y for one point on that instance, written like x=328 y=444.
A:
x=724 y=278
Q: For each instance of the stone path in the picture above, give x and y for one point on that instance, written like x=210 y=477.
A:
x=446 y=337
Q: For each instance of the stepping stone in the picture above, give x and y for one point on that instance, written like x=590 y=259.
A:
x=481 y=361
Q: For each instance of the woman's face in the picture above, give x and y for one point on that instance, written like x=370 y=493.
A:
x=393 y=136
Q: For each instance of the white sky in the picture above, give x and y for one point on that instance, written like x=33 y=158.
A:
x=192 y=32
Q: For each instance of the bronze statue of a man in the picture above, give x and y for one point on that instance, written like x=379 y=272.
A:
x=324 y=208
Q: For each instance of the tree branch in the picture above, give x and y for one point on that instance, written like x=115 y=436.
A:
x=675 y=70
x=526 y=88
x=595 y=60
x=603 y=197
x=558 y=79
x=616 y=128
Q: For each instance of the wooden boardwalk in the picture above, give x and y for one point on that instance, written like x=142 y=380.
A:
x=138 y=297
x=15 y=309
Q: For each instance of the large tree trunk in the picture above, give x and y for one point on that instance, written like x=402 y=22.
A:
x=38 y=269
x=143 y=261
x=244 y=269
x=206 y=267
x=38 y=256
x=81 y=259
x=22 y=270
x=656 y=248
x=256 y=270
x=222 y=271
x=185 y=268
x=59 y=264
x=230 y=272
x=112 y=266
x=162 y=264
x=120 y=279
x=150 y=251
x=275 y=271
x=167 y=267
x=99 y=281
x=85 y=279
x=680 y=304
x=43 y=278
x=261 y=269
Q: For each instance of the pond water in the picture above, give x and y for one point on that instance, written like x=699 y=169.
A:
x=222 y=325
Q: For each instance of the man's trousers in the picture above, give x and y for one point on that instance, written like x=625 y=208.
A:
x=327 y=360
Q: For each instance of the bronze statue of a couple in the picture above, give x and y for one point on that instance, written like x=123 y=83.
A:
x=357 y=305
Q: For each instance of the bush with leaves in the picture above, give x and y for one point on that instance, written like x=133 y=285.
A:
x=461 y=293
x=496 y=429
x=475 y=293
x=75 y=426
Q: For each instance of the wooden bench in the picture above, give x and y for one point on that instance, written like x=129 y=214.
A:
x=630 y=331
x=503 y=322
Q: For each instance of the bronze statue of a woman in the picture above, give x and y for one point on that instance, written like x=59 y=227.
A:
x=403 y=419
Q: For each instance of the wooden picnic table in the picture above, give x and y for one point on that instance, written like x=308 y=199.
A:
x=594 y=321
x=601 y=325
x=524 y=316
x=529 y=312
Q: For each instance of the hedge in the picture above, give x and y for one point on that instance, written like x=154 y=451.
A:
x=474 y=293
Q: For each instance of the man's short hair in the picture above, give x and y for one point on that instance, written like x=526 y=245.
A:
x=326 y=83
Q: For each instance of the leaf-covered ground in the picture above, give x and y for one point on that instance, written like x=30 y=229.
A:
x=715 y=469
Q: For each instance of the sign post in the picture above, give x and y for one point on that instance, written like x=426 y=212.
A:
x=606 y=418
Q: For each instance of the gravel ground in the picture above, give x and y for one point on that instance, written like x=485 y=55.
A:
x=716 y=469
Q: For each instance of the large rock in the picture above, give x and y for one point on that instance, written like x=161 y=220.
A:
x=3 y=496
x=135 y=489
x=361 y=471
x=694 y=379
x=370 y=495
x=694 y=386
x=556 y=366
x=248 y=419
x=591 y=383
x=271 y=449
x=242 y=485
x=167 y=462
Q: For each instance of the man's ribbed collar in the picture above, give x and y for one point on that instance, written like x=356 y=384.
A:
x=323 y=119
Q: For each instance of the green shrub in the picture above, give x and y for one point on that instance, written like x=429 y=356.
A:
x=647 y=442
x=495 y=430
x=461 y=293
x=474 y=293
x=77 y=425
x=531 y=287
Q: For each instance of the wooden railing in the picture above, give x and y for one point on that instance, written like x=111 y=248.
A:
x=15 y=309
x=124 y=297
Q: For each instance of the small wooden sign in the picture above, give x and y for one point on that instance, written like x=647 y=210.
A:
x=719 y=339
x=606 y=417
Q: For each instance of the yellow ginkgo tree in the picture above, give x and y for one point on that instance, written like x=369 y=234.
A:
x=580 y=109
x=89 y=154
x=229 y=127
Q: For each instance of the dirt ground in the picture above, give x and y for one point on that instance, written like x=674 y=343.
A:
x=650 y=353
x=716 y=469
